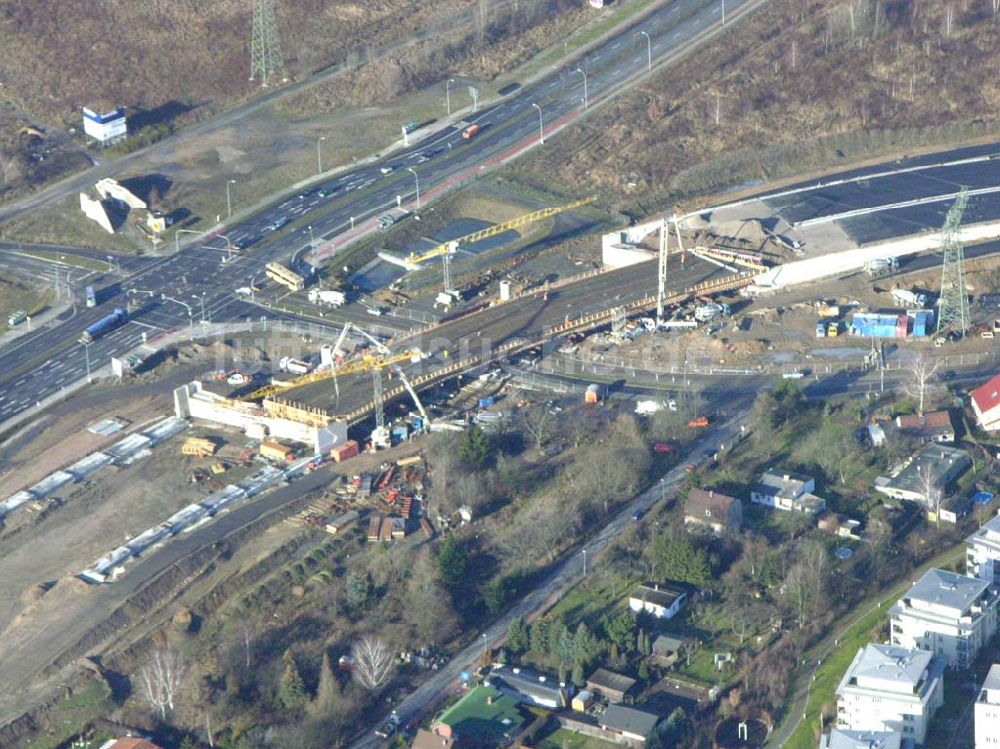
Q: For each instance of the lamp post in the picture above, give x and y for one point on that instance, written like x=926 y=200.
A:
x=584 y=562
x=86 y=354
x=416 y=179
x=177 y=237
x=447 y=93
x=195 y=296
x=541 y=127
x=319 y=154
x=585 y=101
x=649 y=50
x=229 y=201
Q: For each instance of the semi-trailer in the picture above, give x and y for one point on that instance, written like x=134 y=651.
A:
x=105 y=325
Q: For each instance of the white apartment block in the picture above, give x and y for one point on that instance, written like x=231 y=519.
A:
x=947 y=614
x=838 y=739
x=982 y=557
x=987 y=711
x=890 y=689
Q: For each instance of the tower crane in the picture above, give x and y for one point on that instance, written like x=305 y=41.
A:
x=445 y=250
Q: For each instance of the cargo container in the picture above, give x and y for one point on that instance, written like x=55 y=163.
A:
x=594 y=394
x=17 y=317
x=374 y=526
x=339 y=523
x=105 y=325
x=400 y=433
x=274 y=450
x=470 y=131
x=340 y=453
x=198 y=447
x=902 y=326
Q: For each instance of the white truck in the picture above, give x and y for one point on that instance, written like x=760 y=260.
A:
x=328 y=297
x=881 y=266
x=706 y=312
x=294 y=366
x=909 y=299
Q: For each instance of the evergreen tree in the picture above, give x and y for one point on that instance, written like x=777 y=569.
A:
x=643 y=671
x=578 y=677
x=291 y=689
x=518 y=637
x=328 y=689
x=613 y=653
x=474 y=448
x=621 y=631
x=540 y=637
x=586 y=647
x=452 y=561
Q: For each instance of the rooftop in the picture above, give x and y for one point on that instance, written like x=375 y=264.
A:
x=483 y=713
x=784 y=485
x=629 y=720
x=536 y=685
x=658 y=594
x=987 y=395
x=841 y=739
x=991 y=684
x=709 y=504
x=943 y=464
x=928 y=425
x=602 y=678
x=947 y=589
x=887 y=667
x=129 y=743
x=988 y=531
x=427 y=740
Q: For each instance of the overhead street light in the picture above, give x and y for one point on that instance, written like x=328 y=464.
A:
x=229 y=202
x=649 y=49
x=585 y=101
x=447 y=93
x=416 y=179
x=319 y=154
x=541 y=126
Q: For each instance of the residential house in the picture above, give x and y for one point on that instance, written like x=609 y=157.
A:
x=662 y=601
x=982 y=557
x=710 y=509
x=889 y=688
x=583 y=701
x=987 y=711
x=838 y=739
x=926 y=475
x=839 y=525
x=667 y=649
x=529 y=687
x=429 y=740
x=986 y=404
x=129 y=743
x=634 y=726
x=947 y=614
x=611 y=686
x=787 y=491
x=483 y=718
x=935 y=426
x=876 y=434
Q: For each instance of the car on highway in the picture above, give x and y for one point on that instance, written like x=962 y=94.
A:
x=243 y=242
x=638 y=515
x=277 y=224
x=326 y=191
x=386 y=169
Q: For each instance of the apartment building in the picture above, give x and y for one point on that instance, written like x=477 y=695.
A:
x=987 y=711
x=982 y=557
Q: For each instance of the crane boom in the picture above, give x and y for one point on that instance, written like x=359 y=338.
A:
x=414 y=259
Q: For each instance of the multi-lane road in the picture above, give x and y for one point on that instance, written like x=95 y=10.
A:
x=170 y=291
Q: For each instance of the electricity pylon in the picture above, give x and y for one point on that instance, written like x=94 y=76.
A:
x=265 y=46
x=953 y=312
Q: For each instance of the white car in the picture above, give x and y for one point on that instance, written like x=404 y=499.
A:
x=386 y=169
x=672 y=405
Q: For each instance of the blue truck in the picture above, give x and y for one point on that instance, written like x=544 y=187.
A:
x=105 y=325
x=91 y=297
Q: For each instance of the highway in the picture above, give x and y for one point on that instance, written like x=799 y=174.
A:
x=37 y=366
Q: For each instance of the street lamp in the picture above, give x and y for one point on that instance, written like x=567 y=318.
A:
x=177 y=237
x=486 y=643
x=416 y=179
x=541 y=128
x=649 y=50
x=195 y=296
x=584 y=562
x=447 y=93
x=723 y=12
x=86 y=353
x=580 y=71
x=319 y=154
x=229 y=202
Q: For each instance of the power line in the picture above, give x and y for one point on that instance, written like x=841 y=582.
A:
x=954 y=301
x=265 y=44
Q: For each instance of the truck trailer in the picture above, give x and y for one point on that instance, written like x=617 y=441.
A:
x=105 y=325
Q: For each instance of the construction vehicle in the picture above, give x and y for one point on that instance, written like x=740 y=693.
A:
x=909 y=299
x=881 y=266
x=17 y=317
x=286 y=277
x=701 y=421
x=470 y=131
x=199 y=447
x=328 y=297
x=445 y=250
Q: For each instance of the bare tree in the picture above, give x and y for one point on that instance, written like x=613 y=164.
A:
x=536 y=421
x=930 y=490
x=373 y=662
x=922 y=372
x=161 y=679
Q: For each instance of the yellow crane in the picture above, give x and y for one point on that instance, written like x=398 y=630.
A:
x=365 y=363
x=446 y=249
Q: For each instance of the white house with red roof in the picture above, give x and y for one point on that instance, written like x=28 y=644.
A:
x=986 y=404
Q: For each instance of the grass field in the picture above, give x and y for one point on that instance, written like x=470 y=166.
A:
x=566 y=739
x=17 y=294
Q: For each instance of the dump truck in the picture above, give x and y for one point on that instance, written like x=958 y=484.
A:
x=327 y=296
x=470 y=131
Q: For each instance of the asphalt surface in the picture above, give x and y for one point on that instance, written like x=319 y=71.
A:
x=877 y=191
x=40 y=364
